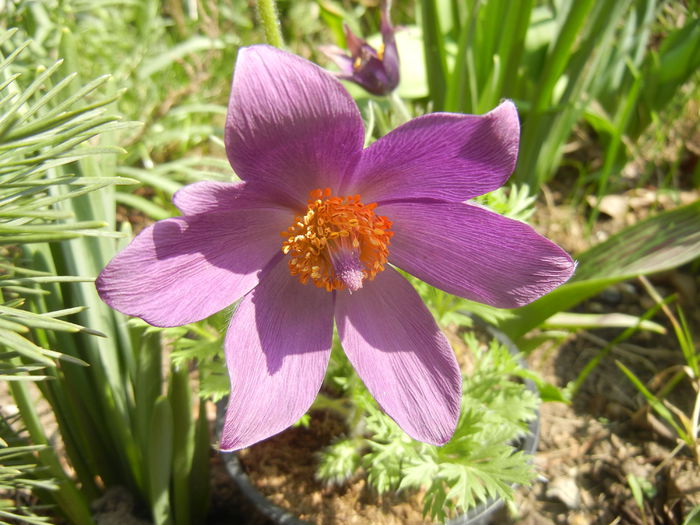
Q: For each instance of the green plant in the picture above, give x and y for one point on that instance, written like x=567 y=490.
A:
x=105 y=387
x=561 y=62
x=686 y=426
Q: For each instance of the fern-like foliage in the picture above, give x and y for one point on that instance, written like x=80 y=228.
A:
x=514 y=201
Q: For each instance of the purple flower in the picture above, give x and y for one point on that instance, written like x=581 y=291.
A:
x=311 y=236
x=376 y=70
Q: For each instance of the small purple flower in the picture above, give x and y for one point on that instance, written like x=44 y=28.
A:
x=311 y=237
x=376 y=70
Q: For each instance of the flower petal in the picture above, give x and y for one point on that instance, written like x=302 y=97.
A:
x=338 y=56
x=290 y=126
x=277 y=350
x=399 y=352
x=184 y=269
x=442 y=156
x=472 y=252
x=213 y=196
x=207 y=196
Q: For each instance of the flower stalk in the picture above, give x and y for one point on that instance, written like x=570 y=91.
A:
x=399 y=107
x=267 y=11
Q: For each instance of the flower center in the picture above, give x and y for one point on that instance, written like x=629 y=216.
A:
x=338 y=243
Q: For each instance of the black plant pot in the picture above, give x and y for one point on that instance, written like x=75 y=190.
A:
x=480 y=515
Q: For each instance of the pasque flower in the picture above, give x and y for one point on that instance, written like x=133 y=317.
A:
x=312 y=235
x=376 y=70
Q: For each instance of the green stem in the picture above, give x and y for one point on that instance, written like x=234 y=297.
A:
x=268 y=14
x=399 y=107
x=323 y=402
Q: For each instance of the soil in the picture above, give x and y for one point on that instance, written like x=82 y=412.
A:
x=283 y=468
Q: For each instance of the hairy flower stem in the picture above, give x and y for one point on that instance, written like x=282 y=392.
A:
x=268 y=14
x=400 y=107
x=339 y=406
x=356 y=416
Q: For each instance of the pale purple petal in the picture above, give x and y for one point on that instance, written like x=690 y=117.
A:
x=406 y=363
x=207 y=196
x=472 y=252
x=184 y=269
x=444 y=156
x=291 y=126
x=213 y=196
x=338 y=56
x=277 y=350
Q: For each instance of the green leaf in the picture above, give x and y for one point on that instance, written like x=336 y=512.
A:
x=655 y=403
x=193 y=45
x=573 y=321
x=24 y=347
x=693 y=517
x=145 y=205
x=199 y=475
x=180 y=395
x=664 y=241
x=435 y=57
x=159 y=458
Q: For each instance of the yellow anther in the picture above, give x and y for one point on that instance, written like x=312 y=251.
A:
x=336 y=229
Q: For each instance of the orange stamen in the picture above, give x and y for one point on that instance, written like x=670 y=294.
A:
x=338 y=242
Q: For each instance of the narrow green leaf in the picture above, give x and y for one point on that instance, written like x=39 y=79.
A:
x=46 y=279
x=636 y=489
x=35 y=238
x=435 y=57
x=94 y=183
x=8 y=118
x=24 y=347
x=612 y=320
x=655 y=403
x=159 y=460
x=12 y=326
x=146 y=206
x=693 y=517
x=15 y=53
x=46 y=98
x=49 y=215
x=15 y=376
x=658 y=243
x=33 y=320
x=45 y=228
x=560 y=52
x=179 y=51
x=152 y=178
x=199 y=474
x=9 y=33
x=180 y=395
